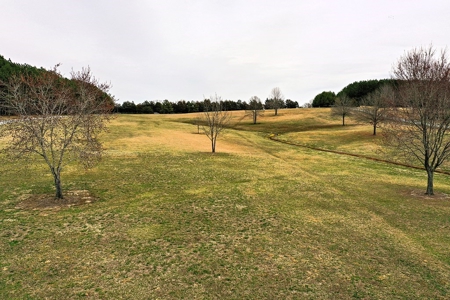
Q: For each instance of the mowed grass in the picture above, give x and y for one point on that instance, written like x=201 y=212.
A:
x=257 y=220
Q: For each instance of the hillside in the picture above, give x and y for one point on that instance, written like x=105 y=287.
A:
x=9 y=68
x=257 y=220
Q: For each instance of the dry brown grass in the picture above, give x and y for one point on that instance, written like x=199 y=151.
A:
x=172 y=135
x=257 y=220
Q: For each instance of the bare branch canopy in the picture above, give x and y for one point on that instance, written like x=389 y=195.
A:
x=57 y=119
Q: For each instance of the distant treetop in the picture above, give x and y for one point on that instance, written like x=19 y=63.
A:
x=360 y=89
x=324 y=99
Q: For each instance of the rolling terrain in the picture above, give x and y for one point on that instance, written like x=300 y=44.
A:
x=258 y=219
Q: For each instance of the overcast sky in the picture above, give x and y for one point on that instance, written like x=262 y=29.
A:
x=180 y=49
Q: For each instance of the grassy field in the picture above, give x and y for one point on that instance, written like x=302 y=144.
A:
x=257 y=220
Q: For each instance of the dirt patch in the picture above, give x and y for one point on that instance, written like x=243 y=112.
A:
x=420 y=194
x=48 y=201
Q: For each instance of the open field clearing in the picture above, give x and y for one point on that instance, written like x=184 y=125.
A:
x=257 y=220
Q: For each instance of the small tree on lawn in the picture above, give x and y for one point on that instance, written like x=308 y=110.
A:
x=255 y=108
x=372 y=108
x=215 y=119
x=57 y=119
x=342 y=107
x=419 y=124
x=276 y=99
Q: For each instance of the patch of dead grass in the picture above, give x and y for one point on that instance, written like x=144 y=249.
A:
x=49 y=201
x=181 y=139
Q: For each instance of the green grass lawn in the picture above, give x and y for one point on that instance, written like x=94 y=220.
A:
x=257 y=220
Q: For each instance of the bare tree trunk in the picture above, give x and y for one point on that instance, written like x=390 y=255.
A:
x=57 y=178
x=213 y=146
x=374 y=129
x=254 y=116
x=343 y=120
x=430 y=190
x=276 y=111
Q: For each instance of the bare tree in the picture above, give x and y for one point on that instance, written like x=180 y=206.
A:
x=255 y=108
x=198 y=122
x=372 y=108
x=342 y=107
x=57 y=119
x=215 y=118
x=276 y=99
x=420 y=121
x=308 y=104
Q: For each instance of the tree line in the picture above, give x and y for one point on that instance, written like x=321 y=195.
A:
x=357 y=91
x=183 y=106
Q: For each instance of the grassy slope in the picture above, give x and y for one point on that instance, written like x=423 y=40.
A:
x=258 y=220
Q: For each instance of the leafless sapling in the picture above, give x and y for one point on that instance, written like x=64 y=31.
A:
x=342 y=107
x=215 y=119
x=276 y=99
x=373 y=109
x=255 y=108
